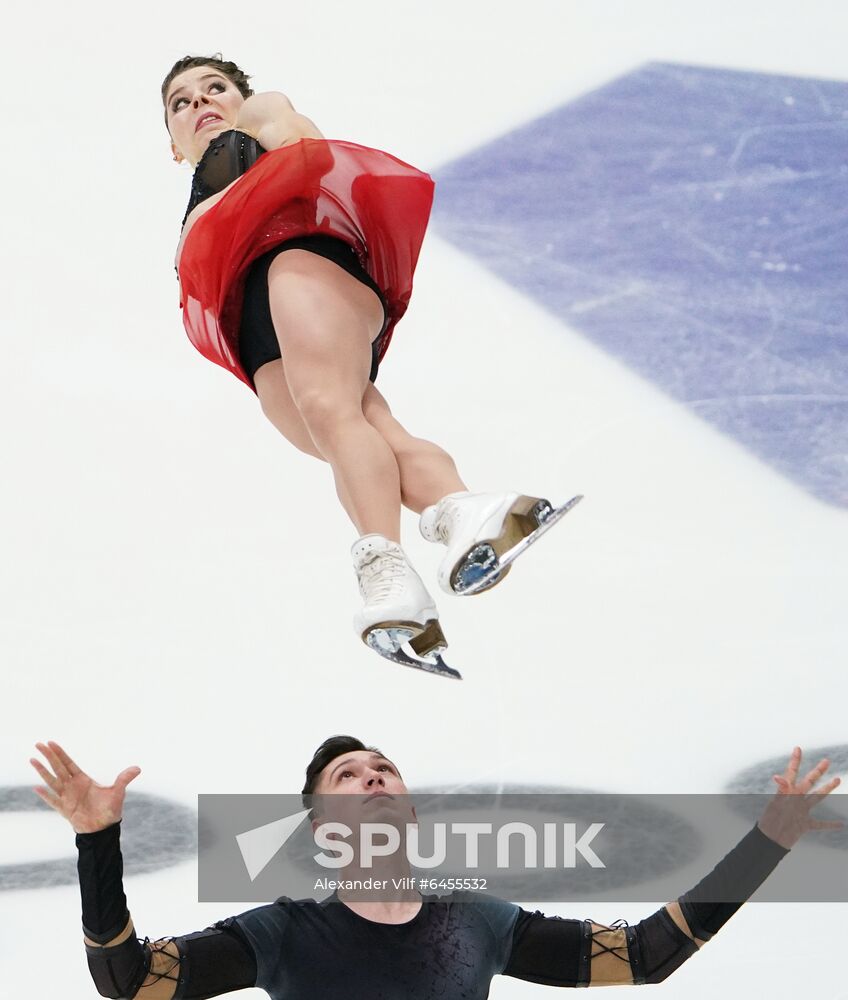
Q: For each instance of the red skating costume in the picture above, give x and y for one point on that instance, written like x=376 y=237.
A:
x=371 y=200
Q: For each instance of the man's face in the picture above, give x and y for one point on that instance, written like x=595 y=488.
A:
x=380 y=793
x=360 y=772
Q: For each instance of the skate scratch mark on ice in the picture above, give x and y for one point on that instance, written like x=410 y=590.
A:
x=664 y=305
x=759 y=130
x=588 y=305
x=679 y=311
x=802 y=235
x=772 y=397
x=760 y=177
x=824 y=103
x=660 y=158
x=712 y=252
x=564 y=269
x=762 y=299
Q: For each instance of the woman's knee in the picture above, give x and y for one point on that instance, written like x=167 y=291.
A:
x=324 y=413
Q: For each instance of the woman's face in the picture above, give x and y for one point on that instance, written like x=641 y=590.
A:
x=201 y=103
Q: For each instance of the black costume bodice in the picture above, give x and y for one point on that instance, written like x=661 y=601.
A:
x=228 y=156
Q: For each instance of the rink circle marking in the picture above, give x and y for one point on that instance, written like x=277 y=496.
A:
x=156 y=833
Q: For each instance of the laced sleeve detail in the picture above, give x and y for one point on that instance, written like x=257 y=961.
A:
x=164 y=963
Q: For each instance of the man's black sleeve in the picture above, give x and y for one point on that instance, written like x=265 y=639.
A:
x=550 y=950
x=215 y=961
x=208 y=963
x=558 y=952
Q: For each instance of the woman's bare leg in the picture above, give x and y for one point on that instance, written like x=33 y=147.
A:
x=278 y=406
x=427 y=472
x=325 y=321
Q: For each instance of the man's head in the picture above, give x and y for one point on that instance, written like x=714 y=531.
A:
x=344 y=765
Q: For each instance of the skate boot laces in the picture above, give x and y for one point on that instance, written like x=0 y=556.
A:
x=381 y=577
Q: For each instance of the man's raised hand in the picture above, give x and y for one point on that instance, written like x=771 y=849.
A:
x=787 y=817
x=87 y=806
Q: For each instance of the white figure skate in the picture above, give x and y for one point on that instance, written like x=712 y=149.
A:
x=485 y=533
x=397 y=611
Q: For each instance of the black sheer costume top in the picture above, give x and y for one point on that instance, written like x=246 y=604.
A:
x=227 y=157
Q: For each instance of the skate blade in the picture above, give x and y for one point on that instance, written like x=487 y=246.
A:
x=389 y=638
x=489 y=562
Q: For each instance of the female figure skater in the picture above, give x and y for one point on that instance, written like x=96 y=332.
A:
x=295 y=263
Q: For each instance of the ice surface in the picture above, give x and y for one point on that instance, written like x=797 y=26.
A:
x=692 y=222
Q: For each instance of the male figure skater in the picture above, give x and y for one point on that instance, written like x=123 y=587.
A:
x=409 y=947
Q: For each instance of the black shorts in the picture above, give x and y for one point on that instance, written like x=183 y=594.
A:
x=258 y=342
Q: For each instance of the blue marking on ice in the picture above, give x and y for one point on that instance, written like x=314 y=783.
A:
x=694 y=223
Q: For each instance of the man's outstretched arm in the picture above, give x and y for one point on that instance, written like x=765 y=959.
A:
x=192 y=967
x=560 y=952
